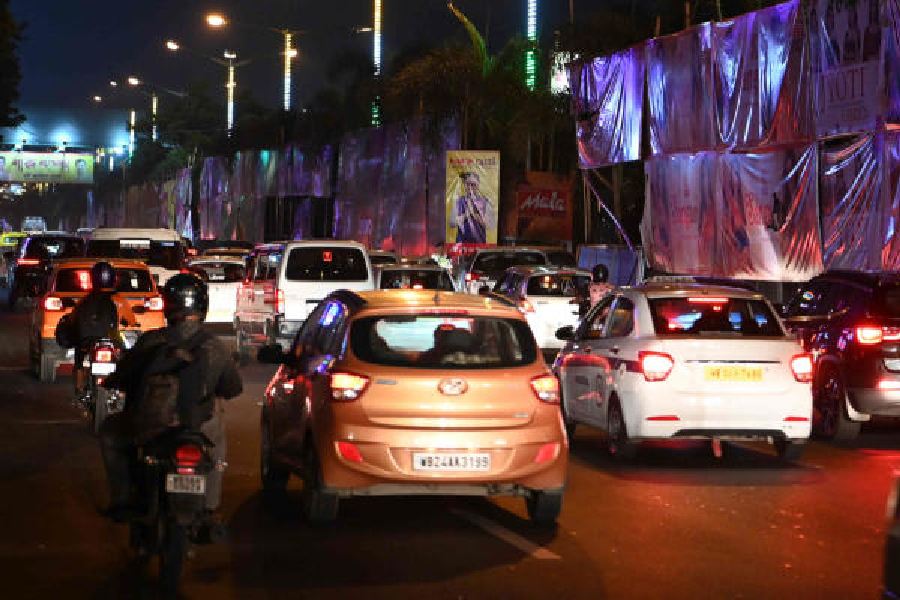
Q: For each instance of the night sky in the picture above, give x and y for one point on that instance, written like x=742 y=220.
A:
x=71 y=49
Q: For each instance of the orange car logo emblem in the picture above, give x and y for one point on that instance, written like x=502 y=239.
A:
x=453 y=387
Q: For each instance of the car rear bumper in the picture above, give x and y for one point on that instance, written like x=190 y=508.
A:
x=387 y=468
x=877 y=402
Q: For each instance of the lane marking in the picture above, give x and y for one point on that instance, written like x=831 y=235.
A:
x=513 y=539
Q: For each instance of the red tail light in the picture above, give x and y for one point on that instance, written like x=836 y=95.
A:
x=547 y=452
x=655 y=366
x=279 y=302
x=802 y=367
x=28 y=262
x=546 y=388
x=187 y=458
x=470 y=276
x=53 y=303
x=154 y=303
x=84 y=280
x=103 y=355
x=350 y=452
x=347 y=387
x=707 y=300
x=868 y=335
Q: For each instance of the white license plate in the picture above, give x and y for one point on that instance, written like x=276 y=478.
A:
x=185 y=484
x=102 y=368
x=451 y=462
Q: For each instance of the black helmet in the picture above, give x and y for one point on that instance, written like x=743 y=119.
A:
x=185 y=295
x=103 y=276
x=600 y=274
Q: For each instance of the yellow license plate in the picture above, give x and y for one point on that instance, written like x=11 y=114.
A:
x=733 y=373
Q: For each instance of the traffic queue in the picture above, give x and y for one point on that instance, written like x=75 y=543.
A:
x=468 y=375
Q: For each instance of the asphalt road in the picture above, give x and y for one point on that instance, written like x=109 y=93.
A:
x=678 y=523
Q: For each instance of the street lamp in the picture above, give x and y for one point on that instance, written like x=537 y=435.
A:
x=216 y=20
x=98 y=99
x=134 y=81
x=172 y=45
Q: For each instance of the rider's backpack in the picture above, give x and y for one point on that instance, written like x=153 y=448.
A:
x=170 y=385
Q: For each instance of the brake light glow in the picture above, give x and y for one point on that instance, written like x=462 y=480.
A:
x=187 y=458
x=103 y=355
x=53 y=303
x=663 y=418
x=707 y=300
x=868 y=335
x=346 y=387
x=418 y=286
x=327 y=256
x=796 y=419
x=656 y=366
x=546 y=388
x=84 y=280
x=525 y=306
x=287 y=386
x=154 y=303
x=279 y=301
x=891 y=334
x=349 y=452
x=473 y=276
x=547 y=452
x=28 y=262
x=888 y=384
x=802 y=367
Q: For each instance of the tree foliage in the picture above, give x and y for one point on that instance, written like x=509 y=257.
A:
x=10 y=72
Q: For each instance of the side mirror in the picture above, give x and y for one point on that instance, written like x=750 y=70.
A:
x=565 y=333
x=271 y=355
x=484 y=290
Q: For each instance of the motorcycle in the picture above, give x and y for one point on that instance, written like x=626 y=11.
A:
x=173 y=471
x=101 y=362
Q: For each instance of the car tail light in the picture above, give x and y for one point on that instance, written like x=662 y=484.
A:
x=802 y=367
x=546 y=388
x=187 y=457
x=655 y=366
x=349 y=452
x=546 y=453
x=795 y=419
x=53 y=303
x=154 y=303
x=279 y=302
x=663 y=418
x=525 y=306
x=346 y=387
x=868 y=335
x=28 y=262
x=470 y=276
x=891 y=334
x=707 y=300
x=888 y=384
x=84 y=280
x=103 y=355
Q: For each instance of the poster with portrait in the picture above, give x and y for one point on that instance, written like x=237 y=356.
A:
x=472 y=196
x=47 y=167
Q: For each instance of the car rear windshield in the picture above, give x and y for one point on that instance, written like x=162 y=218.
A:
x=326 y=264
x=425 y=279
x=443 y=341
x=559 y=285
x=168 y=255
x=497 y=262
x=50 y=247
x=220 y=272
x=707 y=315
x=127 y=280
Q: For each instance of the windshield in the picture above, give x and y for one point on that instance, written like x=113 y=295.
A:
x=49 y=247
x=425 y=279
x=168 y=255
x=443 y=341
x=497 y=262
x=127 y=280
x=326 y=264
x=219 y=272
x=567 y=286
x=708 y=315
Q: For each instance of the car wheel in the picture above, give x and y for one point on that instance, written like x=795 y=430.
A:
x=544 y=506
x=789 y=451
x=274 y=476
x=830 y=420
x=241 y=346
x=47 y=369
x=319 y=506
x=617 y=441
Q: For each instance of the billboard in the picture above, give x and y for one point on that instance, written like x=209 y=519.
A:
x=472 y=196
x=544 y=213
x=47 y=167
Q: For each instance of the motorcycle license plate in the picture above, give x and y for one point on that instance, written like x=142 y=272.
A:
x=185 y=484
x=102 y=368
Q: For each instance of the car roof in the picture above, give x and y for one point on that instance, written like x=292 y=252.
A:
x=868 y=278
x=409 y=267
x=117 y=263
x=118 y=233
x=54 y=235
x=399 y=299
x=509 y=250
x=320 y=243
x=548 y=270
x=212 y=258
x=673 y=289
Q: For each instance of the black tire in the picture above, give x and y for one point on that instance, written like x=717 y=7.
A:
x=240 y=344
x=100 y=396
x=789 y=451
x=47 y=368
x=569 y=423
x=619 y=445
x=274 y=477
x=544 y=506
x=172 y=553
x=319 y=507
x=830 y=419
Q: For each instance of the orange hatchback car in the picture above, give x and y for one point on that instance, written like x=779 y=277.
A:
x=69 y=282
x=413 y=392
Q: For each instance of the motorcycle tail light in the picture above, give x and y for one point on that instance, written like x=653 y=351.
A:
x=187 y=457
x=103 y=355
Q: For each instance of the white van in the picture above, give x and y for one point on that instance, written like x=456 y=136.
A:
x=285 y=282
x=161 y=249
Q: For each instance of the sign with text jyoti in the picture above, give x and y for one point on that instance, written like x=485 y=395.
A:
x=47 y=167
x=472 y=196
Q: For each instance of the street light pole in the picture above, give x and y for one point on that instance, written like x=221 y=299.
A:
x=154 y=108
x=230 y=85
x=376 y=57
x=288 y=56
x=132 y=121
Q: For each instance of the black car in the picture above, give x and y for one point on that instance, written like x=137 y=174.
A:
x=850 y=321
x=30 y=268
x=892 y=548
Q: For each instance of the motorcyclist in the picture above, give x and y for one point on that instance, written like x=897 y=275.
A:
x=597 y=289
x=186 y=299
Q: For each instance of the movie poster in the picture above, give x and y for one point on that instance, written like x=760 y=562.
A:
x=472 y=196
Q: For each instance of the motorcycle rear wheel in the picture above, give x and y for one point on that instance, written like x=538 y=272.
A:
x=172 y=553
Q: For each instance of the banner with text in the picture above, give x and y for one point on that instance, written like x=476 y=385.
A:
x=544 y=213
x=47 y=167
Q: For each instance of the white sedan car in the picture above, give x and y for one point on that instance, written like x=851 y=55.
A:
x=224 y=276
x=663 y=361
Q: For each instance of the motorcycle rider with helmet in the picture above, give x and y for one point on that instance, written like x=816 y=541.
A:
x=200 y=391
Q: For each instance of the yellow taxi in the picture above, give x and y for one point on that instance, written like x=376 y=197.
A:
x=137 y=299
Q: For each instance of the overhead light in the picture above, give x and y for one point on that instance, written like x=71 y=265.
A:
x=292 y=53
x=216 y=20
x=134 y=81
x=229 y=54
x=98 y=99
x=173 y=45
x=113 y=83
